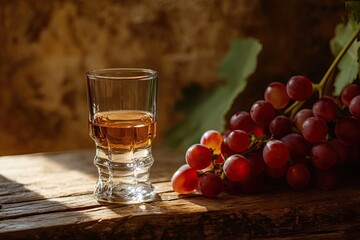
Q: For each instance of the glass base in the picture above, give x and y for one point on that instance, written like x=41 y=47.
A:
x=125 y=194
x=124 y=176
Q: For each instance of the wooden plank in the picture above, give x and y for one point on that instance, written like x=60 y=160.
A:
x=249 y=220
x=50 y=196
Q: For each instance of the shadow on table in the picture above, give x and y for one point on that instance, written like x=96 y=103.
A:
x=26 y=214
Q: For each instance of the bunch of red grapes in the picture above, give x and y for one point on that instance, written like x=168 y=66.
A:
x=264 y=143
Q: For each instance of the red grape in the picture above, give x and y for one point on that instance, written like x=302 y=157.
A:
x=198 y=156
x=210 y=185
x=354 y=154
x=347 y=129
x=238 y=140
x=314 y=129
x=325 y=108
x=242 y=121
x=229 y=185
x=275 y=93
x=236 y=168
x=280 y=126
x=276 y=172
x=257 y=165
x=354 y=107
x=298 y=147
x=253 y=184
x=301 y=116
x=299 y=88
x=323 y=156
x=262 y=112
x=298 y=176
x=185 y=180
x=212 y=139
x=275 y=154
x=349 y=92
x=342 y=150
x=258 y=132
x=326 y=179
x=226 y=151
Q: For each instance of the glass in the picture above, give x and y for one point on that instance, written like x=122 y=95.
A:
x=122 y=123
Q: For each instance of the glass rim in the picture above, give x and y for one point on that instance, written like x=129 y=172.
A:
x=103 y=74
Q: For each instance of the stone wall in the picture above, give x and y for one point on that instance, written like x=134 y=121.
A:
x=47 y=46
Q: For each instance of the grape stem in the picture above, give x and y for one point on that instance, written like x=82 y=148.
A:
x=324 y=83
x=293 y=108
x=256 y=143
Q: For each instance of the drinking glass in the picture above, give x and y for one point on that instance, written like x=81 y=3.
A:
x=122 y=123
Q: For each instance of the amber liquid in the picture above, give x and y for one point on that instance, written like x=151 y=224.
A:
x=123 y=129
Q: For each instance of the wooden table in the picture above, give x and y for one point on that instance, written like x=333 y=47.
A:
x=49 y=196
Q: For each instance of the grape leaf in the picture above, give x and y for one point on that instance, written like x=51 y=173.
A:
x=237 y=65
x=349 y=64
x=354 y=8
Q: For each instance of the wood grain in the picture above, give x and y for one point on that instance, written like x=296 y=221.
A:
x=49 y=196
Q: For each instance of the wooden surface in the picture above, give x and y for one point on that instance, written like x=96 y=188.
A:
x=49 y=196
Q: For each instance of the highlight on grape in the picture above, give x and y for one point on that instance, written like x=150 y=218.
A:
x=279 y=139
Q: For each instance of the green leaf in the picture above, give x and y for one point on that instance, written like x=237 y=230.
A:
x=354 y=8
x=238 y=64
x=349 y=64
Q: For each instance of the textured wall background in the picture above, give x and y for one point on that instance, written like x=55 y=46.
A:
x=47 y=46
